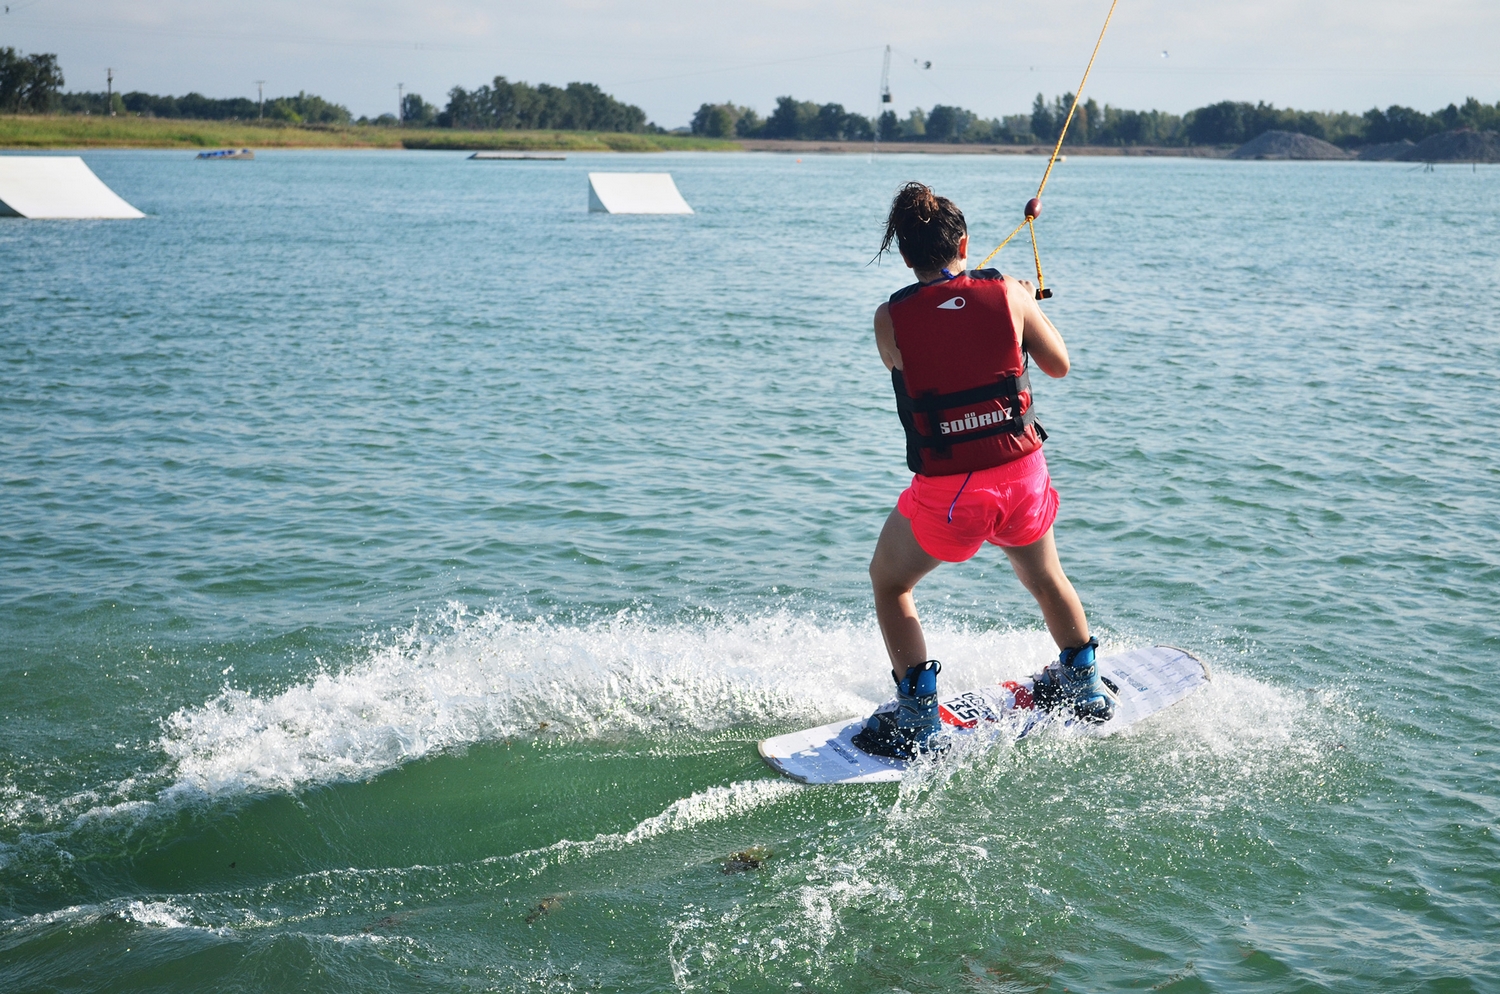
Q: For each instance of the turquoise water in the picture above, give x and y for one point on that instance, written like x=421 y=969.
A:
x=398 y=565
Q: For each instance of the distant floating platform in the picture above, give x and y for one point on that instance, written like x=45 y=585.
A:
x=228 y=153
x=635 y=193
x=548 y=156
x=56 y=187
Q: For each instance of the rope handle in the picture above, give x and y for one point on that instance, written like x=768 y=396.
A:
x=1034 y=205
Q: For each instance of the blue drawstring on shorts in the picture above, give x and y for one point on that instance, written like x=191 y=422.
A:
x=956 y=496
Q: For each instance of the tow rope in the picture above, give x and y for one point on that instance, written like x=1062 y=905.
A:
x=1034 y=205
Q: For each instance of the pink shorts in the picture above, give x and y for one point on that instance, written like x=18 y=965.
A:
x=1009 y=505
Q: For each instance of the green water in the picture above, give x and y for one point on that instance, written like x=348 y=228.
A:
x=398 y=565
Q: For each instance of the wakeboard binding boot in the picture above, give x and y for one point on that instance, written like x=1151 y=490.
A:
x=1072 y=685
x=913 y=726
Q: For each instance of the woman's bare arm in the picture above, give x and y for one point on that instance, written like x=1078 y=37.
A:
x=1039 y=336
x=885 y=338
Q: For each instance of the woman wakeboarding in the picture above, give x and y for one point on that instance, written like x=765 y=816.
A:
x=957 y=344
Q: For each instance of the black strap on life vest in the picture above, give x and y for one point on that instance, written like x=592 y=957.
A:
x=1007 y=390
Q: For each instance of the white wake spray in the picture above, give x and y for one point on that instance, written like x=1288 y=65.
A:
x=491 y=677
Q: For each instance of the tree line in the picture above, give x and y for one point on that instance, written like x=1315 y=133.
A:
x=33 y=84
x=304 y=108
x=511 y=106
x=1225 y=123
x=28 y=82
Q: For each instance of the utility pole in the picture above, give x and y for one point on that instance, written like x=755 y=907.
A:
x=400 y=107
x=885 y=93
x=260 y=96
x=109 y=91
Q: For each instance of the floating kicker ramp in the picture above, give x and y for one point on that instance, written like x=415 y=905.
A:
x=56 y=186
x=635 y=193
x=503 y=156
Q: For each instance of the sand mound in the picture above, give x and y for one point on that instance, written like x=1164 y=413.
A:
x=1287 y=145
x=1386 y=151
x=1458 y=146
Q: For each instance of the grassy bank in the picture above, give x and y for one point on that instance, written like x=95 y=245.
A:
x=41 y=132
x=971 y=148
x=563 y=141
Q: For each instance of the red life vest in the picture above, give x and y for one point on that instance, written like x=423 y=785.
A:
x=963 y=393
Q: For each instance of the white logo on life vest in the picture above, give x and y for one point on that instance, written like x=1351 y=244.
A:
x=971 y=421
x=952 y=304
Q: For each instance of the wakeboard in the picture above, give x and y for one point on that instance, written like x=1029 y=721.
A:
x=1145 y=680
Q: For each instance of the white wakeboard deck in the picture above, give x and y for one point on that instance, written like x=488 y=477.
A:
x=57 y=186
x=1149 y=679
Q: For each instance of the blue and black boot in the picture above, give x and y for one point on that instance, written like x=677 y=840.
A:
x=913 y=726
x=1073 y=684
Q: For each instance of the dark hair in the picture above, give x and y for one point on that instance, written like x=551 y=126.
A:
x=924 y=226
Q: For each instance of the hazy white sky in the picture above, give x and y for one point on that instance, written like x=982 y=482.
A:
x=669 y=56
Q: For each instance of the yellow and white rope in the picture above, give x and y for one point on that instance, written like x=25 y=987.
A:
x=1031 y=215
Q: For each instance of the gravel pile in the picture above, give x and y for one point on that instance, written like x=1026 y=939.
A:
x=1457 y=146
x=1287 y=145
x=1387 y=151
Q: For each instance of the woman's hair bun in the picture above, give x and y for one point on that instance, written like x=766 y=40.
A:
x=925 y=227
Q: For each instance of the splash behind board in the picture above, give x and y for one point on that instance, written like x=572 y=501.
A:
x=1148 y=679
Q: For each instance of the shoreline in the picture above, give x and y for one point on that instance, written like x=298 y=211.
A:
x=21 y=132
x=941 y=148
x=56 y=132
x=82 y=132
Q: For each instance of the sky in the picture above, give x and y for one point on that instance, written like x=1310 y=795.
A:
x=670 y=56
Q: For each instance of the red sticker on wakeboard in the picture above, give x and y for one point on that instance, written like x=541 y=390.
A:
x=1020 y=692
x=966 y=710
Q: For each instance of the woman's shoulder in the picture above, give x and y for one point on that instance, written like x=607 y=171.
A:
x=905 y=292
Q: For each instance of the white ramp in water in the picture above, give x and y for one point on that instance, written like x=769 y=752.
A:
x=635 y=193
x=56 y=186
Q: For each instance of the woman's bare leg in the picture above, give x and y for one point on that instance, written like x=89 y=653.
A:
x=1040 y=572
x=897 y=565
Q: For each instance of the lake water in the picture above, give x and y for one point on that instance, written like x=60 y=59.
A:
x=398 y=565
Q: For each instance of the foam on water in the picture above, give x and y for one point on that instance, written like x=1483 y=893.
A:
x=492 y=677
x=960 y=826
x=476 y=678
x=983 y=829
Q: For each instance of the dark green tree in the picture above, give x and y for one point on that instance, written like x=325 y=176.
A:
x=1044 y=123
x=29 y=82
x=1472 y=114
x=1397 y=123
x=717 y=120
x=1480 y=117
x=1223 y=123
x=915 y=125
x=307 y=108
x=521 y=106
x=792 y=119
x=749 y=124
x=1113 y=126
x=416 y=112
x=829 y=124
x=1232 y=123
x=191 y=105
x=948 y=124
x=44 y=83
x=1082 y=130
